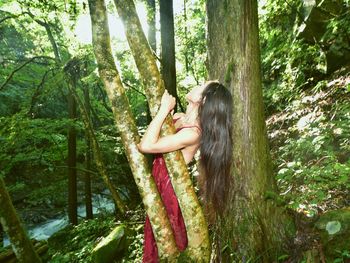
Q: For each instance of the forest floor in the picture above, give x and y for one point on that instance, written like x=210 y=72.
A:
x=310 y=146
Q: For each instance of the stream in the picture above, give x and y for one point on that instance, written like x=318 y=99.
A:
x=45 y=229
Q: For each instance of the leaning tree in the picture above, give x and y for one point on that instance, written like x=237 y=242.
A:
x=20 y=242
x=198 y=246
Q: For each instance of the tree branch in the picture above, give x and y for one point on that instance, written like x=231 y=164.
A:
x=47 y=25
x=10 y=15
x=20 y=67
x=133 y=88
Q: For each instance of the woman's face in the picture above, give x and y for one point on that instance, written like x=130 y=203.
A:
x=195 y=95
x=194 y=98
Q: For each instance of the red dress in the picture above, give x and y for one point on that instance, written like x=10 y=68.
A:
x=165 y=188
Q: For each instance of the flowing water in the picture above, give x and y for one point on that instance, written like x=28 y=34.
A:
x=45 y=229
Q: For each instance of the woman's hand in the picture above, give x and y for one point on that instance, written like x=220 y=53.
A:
x=168 y=102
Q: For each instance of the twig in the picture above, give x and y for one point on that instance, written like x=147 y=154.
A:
x=133 y=88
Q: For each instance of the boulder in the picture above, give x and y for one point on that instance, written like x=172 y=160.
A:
x=112 y=247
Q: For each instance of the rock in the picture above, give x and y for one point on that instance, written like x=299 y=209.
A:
x=334 y=230
x=316 y=16
x=112 y=247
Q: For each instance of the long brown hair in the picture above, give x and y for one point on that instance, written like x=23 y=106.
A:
x=215 y=116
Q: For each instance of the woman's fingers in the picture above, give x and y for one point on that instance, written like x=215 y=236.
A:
x=168 y=101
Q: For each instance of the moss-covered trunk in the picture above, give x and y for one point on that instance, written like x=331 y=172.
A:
x=20 y=242
x=198 y=242
x=255 y=227
x=126 y=125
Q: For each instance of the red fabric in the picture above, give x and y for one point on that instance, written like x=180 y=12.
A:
x=161 y=177
x=165 y=188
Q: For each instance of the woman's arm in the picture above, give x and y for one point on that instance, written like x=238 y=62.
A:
x=151 y=143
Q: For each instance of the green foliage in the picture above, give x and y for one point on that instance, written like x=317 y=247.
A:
x=191 y=43
x=75 y=243
x=135 y=249
x=311 y=145
x=313 y=163
x=289 y=65
x=32 y=142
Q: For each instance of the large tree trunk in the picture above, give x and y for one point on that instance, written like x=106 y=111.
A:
x=87 y=178
x=21 y=244
x=254 y=227
x=198 y=240
x=126 y=125
x=168 y=68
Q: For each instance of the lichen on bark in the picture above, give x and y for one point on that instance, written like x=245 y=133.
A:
x=197 y=231
x=126 y=126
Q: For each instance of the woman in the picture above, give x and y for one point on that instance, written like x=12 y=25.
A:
x=206 y=125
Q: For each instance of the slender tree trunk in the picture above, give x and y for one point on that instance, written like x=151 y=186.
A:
x=100 y=164
x=255 y=228
x=87 y=178
x=198 y=240
x=71 y=159
x=1 y=236
x=126 y=125
x=20 y=242
x=151 y=19
x=71 y=163
x=168 y=68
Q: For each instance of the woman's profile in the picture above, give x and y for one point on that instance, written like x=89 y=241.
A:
x=206 y=126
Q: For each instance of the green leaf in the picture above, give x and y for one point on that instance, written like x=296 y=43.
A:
x=333 y=227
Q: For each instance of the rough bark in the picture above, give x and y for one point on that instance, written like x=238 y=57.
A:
x=255 y=228
x=168 y=68
x=198 y=242
x=126 y=125
x=151 y=19
x=21 y=244
x=100 y=164
x=87 y=177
